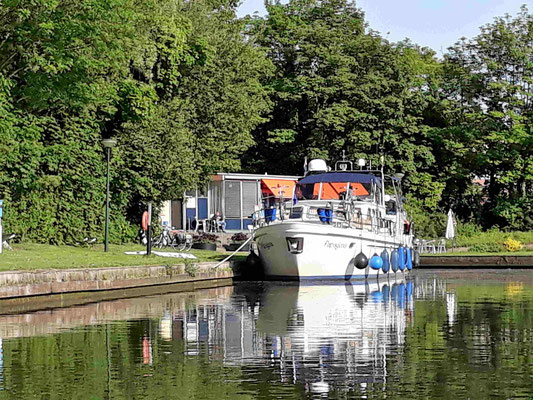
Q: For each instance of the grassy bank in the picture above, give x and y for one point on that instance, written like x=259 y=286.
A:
x=471 y=253
x=491 y=241
x=38 y=256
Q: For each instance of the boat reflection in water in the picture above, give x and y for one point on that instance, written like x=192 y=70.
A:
x=319 y=337
x=327 y=335
x=471 y=338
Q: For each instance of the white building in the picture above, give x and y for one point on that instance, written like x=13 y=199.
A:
x=234 y=195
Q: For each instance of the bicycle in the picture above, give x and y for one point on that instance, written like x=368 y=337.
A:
x=181 y=241
x=177 y=240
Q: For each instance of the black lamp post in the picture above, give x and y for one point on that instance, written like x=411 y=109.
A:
x=108 y=144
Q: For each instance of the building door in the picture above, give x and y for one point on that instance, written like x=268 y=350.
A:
x=202 y=208
x=176 y=213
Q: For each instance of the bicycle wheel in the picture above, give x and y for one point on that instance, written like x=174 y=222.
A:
x=187 y=243
x=174 y=243
x=158 y=242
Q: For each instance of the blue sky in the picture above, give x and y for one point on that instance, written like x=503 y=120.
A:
x=434 y=23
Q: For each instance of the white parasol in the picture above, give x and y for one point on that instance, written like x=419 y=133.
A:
x=450 y=229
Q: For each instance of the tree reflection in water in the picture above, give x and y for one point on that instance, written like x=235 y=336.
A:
x=470 y=336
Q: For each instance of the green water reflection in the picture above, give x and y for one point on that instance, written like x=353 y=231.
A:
x=435 y=335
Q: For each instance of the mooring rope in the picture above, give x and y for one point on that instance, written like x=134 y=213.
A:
x=232 y=254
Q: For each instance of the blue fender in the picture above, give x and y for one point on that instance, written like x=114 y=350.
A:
x=386 y=261
x=409 y=290
x=401 y=295
x=409 y=263
x=386 y=293
x=394 y=260
x=376 y=262
x=377 y=297
x=394 y=293
x=401 y=257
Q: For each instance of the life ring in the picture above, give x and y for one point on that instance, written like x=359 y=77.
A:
x=144 y=221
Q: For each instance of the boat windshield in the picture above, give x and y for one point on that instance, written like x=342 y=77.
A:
x=332 y=190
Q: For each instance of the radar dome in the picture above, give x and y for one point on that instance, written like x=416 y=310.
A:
x=317 y=165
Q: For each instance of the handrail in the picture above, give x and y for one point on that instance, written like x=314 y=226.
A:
x=341 y=213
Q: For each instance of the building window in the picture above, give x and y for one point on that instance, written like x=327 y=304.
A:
x=232 y=199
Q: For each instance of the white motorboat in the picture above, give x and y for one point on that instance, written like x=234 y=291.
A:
x=343 y=223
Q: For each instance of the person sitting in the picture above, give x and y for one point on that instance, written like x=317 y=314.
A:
x=218 y=222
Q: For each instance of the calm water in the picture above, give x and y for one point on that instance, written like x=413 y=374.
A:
x=436 y=335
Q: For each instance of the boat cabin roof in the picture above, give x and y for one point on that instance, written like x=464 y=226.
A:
x=340 y=177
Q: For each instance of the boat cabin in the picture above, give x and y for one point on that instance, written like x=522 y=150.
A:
x=338 y=186
x=363 y=199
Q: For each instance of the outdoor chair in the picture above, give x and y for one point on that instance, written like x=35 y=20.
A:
x=441 y=246
x=6 y=239
x=427 y=246
x=199 y=225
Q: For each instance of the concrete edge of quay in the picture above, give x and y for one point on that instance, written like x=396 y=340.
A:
x=24 y=291
x=473 y=261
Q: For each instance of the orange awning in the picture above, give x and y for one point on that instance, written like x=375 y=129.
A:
x=274 y=187
x=332 y=190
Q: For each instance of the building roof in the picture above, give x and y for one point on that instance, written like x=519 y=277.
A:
x=222 y=176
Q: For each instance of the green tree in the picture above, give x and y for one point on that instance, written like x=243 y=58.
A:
x=58 y=61
x=338 y=88
x=491 y=76
x=176 y=83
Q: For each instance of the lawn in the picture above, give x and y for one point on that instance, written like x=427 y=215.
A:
x=471 y=253
x=28 y=256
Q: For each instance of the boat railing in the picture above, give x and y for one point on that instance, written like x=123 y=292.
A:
x=339 y=215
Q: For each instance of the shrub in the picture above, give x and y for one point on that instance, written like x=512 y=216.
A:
x=512 y=245
x=493 y=235
x=190 y=267
x=205 y=238
x=468 y=229
x=239 y=237
x=487 y=247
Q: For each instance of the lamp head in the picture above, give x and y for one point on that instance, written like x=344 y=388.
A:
x=109 y=143
x=399 y=175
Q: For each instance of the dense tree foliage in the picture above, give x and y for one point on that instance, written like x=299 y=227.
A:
x=176 y=83
x=187 y=89
x=490 y=77
x=339 y=86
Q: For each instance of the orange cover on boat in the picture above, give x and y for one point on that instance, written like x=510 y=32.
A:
x=332 y=190
x=275 y=186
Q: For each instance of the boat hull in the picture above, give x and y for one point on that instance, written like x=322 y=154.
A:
x=328 y=252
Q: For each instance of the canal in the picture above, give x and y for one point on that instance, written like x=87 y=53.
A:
x=437 y=334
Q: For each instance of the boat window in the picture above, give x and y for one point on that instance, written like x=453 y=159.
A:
x=390 y=207
x=305 y=192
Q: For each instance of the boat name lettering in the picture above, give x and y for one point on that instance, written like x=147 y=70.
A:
x=335 y=245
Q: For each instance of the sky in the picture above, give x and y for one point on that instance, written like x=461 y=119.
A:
x=437 y=24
